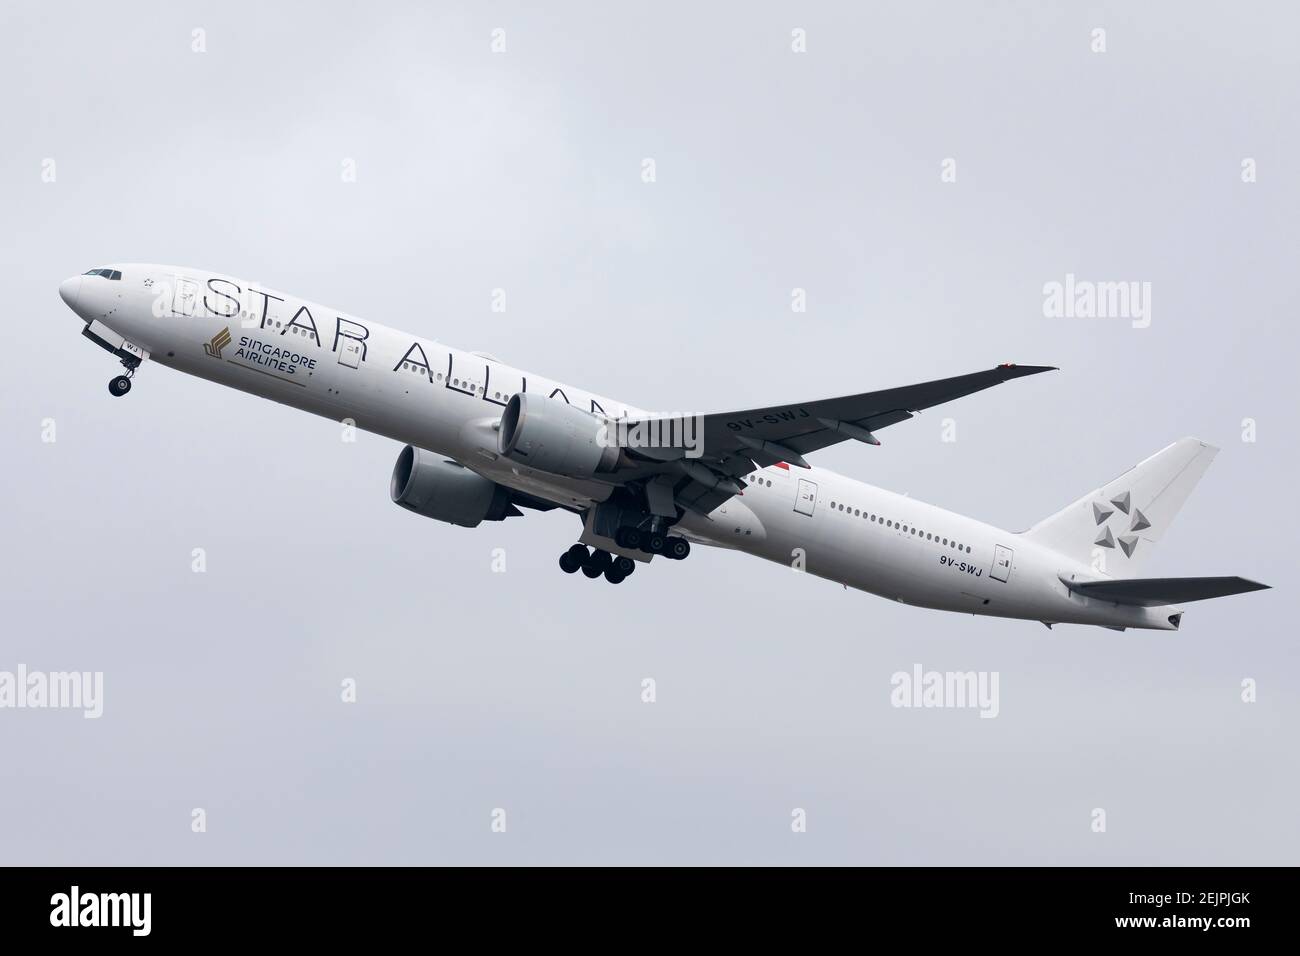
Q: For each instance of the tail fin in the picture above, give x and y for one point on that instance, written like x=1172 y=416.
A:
x=1115 y=527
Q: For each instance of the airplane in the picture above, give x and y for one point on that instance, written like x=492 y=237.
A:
x=483 y=439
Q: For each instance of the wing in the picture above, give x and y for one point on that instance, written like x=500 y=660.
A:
x=732 y=444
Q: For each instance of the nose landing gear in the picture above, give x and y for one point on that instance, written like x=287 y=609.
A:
x=120 y=385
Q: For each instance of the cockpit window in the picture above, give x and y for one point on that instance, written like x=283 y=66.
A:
x=104 y=273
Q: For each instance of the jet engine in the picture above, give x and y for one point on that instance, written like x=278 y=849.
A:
x=554 y=436
x=437 y=488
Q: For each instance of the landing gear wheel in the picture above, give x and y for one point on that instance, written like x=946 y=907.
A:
x=655 y=543
x=597 y=563
x=678 y=548
x=624 y=566
x=629 y=538
x=574 y=558
x=613 y=577
x=119 y=386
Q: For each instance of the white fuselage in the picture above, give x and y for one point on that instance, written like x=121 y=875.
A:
x=447 y=401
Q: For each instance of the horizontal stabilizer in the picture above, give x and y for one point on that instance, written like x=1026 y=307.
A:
x=1157 y=592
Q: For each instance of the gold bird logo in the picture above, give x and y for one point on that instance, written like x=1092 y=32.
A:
x=217 y=343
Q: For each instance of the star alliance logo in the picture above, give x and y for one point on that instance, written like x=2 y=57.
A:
x=219 y=342
x=1128 y=541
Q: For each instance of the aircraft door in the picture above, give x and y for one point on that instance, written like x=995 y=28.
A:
x=1001 y=569
x=185 y=296
x=806 y=497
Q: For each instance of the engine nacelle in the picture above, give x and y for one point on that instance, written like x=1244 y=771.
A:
x=556 y=437
x=433 y=487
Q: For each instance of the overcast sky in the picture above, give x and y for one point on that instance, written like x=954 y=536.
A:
x=522 y=170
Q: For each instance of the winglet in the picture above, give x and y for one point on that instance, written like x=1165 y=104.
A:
x=1028 y=369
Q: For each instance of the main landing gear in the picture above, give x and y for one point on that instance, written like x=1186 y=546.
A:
x=633 y=528
x=595 y=563
x=653 y=542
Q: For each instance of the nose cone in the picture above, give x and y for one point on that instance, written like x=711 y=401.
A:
x=69 y=290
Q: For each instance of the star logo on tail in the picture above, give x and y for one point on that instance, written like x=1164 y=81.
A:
x=1120 y=504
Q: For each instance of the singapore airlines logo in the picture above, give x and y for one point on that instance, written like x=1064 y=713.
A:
x=1137 y=521
x=218 y=342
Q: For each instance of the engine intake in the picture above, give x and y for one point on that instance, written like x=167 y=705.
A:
x=437 y=488
x=556 y=437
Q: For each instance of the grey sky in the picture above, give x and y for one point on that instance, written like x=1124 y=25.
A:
x=522 y=171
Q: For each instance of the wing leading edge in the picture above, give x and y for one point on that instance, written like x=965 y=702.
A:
x=808 y=426
x=736 y=443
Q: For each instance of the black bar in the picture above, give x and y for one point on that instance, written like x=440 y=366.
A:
x=977 y=905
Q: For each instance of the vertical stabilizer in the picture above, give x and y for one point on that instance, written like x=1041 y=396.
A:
x=1115 y=527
